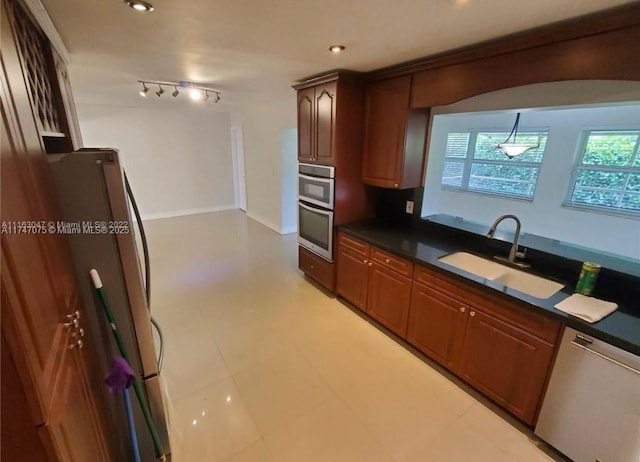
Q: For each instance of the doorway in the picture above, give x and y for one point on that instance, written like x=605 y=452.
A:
x=239 y=179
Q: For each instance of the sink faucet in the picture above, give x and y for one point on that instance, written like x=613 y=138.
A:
x=513 y=253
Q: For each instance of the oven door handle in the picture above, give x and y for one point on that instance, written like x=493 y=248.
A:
x=316 y=210
x=315 y=178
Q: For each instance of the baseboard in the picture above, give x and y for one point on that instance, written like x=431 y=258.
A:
x=265 y=222
x=181 y=213
x=289 y=230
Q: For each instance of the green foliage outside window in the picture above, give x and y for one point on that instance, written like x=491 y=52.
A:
x=608 y=173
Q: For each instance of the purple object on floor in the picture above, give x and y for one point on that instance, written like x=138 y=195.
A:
x=120 y=377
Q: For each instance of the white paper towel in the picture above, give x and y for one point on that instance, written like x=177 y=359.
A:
x=588 y=308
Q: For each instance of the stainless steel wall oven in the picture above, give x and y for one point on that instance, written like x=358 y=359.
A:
x=316 y=188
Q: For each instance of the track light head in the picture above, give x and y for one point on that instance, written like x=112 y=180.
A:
x=206 y=95
x=217 y=97
x=160 y=92
x=144 y=90
x=175 y=92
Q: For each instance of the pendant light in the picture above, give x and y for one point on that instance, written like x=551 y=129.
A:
x=511 y=148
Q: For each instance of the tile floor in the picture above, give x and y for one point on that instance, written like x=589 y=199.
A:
x=261 y=366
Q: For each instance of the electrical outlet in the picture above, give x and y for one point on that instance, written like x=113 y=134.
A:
x=409 y=207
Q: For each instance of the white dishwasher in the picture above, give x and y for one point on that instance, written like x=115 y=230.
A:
x=591 y=411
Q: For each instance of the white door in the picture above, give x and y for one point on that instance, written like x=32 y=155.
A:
x=239 y=181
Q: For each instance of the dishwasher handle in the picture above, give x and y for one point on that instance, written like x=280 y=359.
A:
x=580 y=345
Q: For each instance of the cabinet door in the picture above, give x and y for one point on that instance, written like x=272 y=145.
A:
x=325 y=122
x=353 y=277
x=389 y=297
x=39 y=286
x=386 y=108
x=305 y=125
x=505 y=363
x=436 y=325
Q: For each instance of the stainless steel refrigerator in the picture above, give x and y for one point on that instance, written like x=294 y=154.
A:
x=96 y=205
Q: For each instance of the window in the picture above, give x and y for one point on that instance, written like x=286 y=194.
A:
x=472 y=163
x=607 y=175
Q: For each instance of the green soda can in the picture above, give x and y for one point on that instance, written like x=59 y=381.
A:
x=588 y=278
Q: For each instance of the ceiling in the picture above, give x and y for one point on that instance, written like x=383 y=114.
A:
x=252 y=50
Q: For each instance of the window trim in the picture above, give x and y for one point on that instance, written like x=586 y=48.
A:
x=578 y=166
x=468 y=160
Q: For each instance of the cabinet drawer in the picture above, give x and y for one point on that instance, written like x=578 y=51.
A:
x=316 y=268
x=388 y=260
x=354 y=244
x=512 y=312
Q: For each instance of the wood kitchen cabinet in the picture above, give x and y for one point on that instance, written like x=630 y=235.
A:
x=394 y=139
x=375 y=281
x=352 y=281
x=389 y=295
x=437 y=325
x=507 y=364
x=498 y=346
x=317 y=123
x=316 y=268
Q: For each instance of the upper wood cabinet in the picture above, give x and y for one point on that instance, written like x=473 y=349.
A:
x=317 y=123
x=394 y=139
x=330 y=126
x=306 y=99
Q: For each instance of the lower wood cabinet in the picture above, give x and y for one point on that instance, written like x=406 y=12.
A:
x=316 y=268
x=352 y=281
x=437 y=325
x=507 y=364
x=496 y=345
x=388 y=298
x=375 y=282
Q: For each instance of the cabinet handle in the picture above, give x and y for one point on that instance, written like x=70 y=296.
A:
x=370 y=264
x=395 y=185
x=72 y=316
x=72 y=322
x=365 y=261
x=463 y=309
x=472 y=313
x=312 y=267
x=79 y=344
x=387 y=260
x=79 y=333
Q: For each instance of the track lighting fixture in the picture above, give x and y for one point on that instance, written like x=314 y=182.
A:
x=195 y=92
x=144 y=90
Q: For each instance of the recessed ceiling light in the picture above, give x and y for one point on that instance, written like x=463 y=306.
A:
x=336 y=48
x=139 y=5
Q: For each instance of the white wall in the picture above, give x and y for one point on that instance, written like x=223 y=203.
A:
x=288 y=179
x=263 y=125
x=178 y=159
x=543 y=216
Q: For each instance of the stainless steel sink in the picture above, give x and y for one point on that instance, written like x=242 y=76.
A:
x=529 y=284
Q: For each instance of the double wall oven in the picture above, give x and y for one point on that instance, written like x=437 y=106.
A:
x=316 y=189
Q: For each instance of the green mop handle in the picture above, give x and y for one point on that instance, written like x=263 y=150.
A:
x=95 y=277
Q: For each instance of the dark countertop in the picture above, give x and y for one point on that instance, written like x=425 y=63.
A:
x=621 y=328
